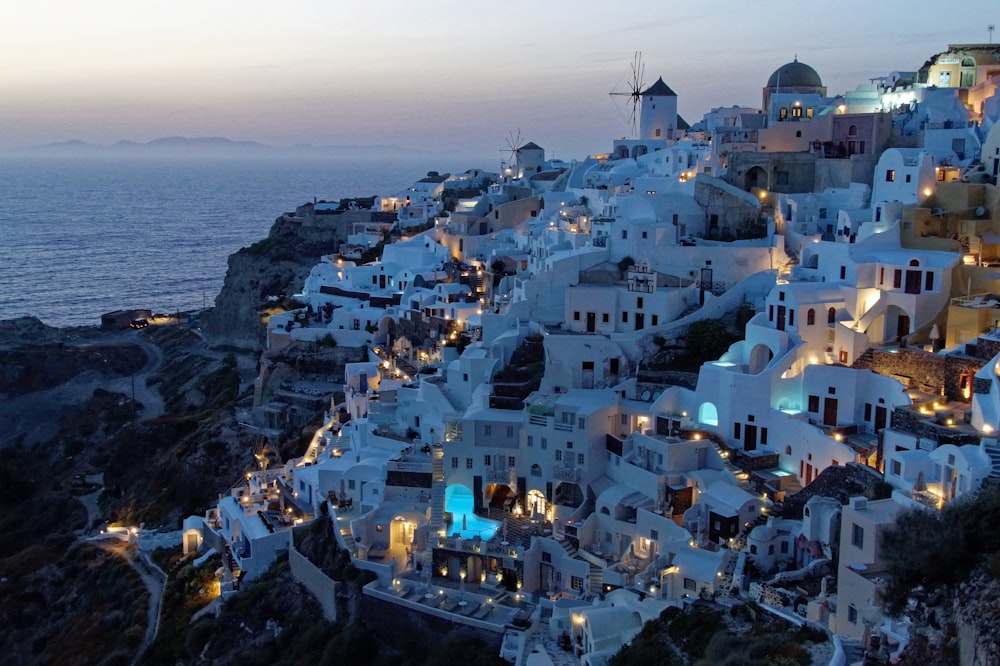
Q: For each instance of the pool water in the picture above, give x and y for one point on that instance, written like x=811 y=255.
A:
x=458 y=501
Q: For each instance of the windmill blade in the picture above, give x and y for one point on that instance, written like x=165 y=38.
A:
x=635 y=84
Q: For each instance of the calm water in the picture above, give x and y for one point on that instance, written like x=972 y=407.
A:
x=84 y=236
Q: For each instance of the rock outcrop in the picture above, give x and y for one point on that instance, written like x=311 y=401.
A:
x=276 y=267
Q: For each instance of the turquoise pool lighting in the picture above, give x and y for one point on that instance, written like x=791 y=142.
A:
x=458 y=501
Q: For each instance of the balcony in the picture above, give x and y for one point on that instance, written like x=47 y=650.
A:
x=563 y=473
x=499 y=475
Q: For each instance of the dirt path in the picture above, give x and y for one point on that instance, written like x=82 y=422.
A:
x=152 y=577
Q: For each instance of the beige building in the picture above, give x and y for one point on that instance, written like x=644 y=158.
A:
x=862 y=573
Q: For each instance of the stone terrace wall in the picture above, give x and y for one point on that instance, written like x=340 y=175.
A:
x=928 y=371
x=319 y=584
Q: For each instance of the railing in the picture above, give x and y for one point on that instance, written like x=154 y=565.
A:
x=713 y=287
x=498 y=475
x=563 y=473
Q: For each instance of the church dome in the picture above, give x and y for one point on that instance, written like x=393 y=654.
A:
x=795 y=75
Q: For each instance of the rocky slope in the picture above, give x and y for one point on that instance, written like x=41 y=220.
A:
x=268 y=270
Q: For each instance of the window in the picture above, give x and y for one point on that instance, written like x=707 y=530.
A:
x=545 y=443
x=689 y=584
x=810 y=317
x=897 y=468
x=831 y=316
x=796 y=112
x=843 y=272
x=791 y=317
x=468 y=463
x=350 y=484
x=604 y=318
x=868 y=411
x=770 y=313
x=908 y=177
x=624 y=317
x=814 y=403
x=531 y=440
x=511 y=461
x=897 y=279
x=770 y=549
x=852 y=614
x=857 y=536
x=579 y=459
x=624 y=234
x=558 y=454
x=569 y=444
x=656 y=319
x=638 y=302
x=487 y=460
x=645 y=234
x=763 y=435
x=784 y=547
x=782 y=113
x=890 y=175
x=454 y=462
x=781 y=296
x=852 y=130
x=736 y=430
x=576 y=315
x=581 y=422
x=928 y=281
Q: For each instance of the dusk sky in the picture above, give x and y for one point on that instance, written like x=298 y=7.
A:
x=445 y=76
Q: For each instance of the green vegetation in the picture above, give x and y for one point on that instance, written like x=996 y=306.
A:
x=188 y=590
x=704 y=636
x=706 y=340
x=68 y=602
x=939 y=549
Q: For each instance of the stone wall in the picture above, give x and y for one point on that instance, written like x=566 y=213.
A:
x=319 y=584
x=930 y=372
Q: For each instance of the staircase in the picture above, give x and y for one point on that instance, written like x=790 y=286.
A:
x=864 y=362
x=595 y=583
x=568 y=546
x=992 y=447
x=437 y=490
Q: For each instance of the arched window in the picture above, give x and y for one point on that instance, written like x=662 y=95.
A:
x=968 y=62
x=831 y=315
x=788 y=450
x=914 y=262
x=852 y=130
x=810 y=317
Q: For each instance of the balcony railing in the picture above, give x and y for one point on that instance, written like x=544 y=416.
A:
x=563 y=473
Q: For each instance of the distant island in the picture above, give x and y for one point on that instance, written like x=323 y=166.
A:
x=179 y=146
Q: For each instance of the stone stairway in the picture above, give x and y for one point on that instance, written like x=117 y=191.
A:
x=568 y=546
x=595 y=583
x=992 y=447
x=437 y=490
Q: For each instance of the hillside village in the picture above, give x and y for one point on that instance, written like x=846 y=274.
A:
x=507 y=457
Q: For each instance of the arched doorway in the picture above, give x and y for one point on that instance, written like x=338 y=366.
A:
x=499 y=496
x=536 y=504
x=708 y=414
x=756 y=177
x=760 y=356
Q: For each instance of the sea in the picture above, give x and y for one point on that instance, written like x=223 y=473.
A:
x=82 y=236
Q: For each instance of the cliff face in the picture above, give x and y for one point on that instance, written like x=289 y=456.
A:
x=275 y=266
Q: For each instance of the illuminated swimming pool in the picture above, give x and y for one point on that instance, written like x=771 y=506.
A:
x=458 y=501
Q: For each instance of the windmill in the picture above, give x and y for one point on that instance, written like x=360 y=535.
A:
x=635 y=84
x=513 y=145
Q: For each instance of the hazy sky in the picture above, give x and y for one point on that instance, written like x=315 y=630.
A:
x=448 y=76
